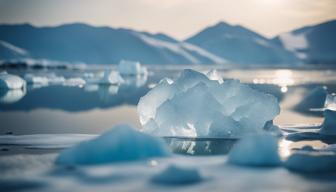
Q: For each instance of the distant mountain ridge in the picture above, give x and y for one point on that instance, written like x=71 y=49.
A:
x=314 y=44
x=241 y=45
x=102 y=45
x=217 y=44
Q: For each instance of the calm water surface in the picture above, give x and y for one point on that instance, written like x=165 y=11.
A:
x=92 y=109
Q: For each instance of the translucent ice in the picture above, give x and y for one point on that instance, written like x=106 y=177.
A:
x=195 y=106
x=330 y=102
x=8 y=81
x=255 y=150
x=131 y=68
x=121 y=143
x=175 y=175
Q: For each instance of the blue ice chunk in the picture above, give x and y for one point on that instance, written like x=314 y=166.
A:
x=122 y=143
x=255 y=150
x=315 y=161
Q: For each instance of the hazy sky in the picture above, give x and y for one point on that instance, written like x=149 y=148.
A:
x=179 y=18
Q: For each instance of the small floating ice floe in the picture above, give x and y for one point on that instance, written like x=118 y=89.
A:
x=195 y=106
x=109 y=77
x=8 y=81
x=255 y=150
x=76 y=81
x=34 y=79
x=122 y=143
x=131 y=68
x=176 y=175
x=312 y=161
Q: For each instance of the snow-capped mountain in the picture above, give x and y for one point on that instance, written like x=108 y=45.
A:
x=102 y=45
x=313 y=44
x=240 y=45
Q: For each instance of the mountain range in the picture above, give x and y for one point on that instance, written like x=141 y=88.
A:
x=218 y=44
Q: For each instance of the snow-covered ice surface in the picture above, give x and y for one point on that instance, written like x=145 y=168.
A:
x=9 y=81
x=195 y=106
x=122 y=143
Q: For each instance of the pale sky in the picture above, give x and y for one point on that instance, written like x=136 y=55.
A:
x=178 y=18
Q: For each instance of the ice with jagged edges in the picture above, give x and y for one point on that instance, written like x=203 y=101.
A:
x=9 y=81
x=177 y=175
x=131 y=68
x=255 y=150
x=195 y=106
x=121 y=144
x=329 y=124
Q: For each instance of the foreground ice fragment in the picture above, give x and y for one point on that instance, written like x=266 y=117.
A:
x=255 y=150
x=121 y=143
x=131 y=68
x=175 y=175
x=195 y=106
x=312 y=161
x=8 y=81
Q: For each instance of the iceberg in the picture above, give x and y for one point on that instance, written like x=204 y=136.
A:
x=176 y=175
x=8 y=81
x=195 y=106
x=131 y=68
x=122 y=143
x=255 y=150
